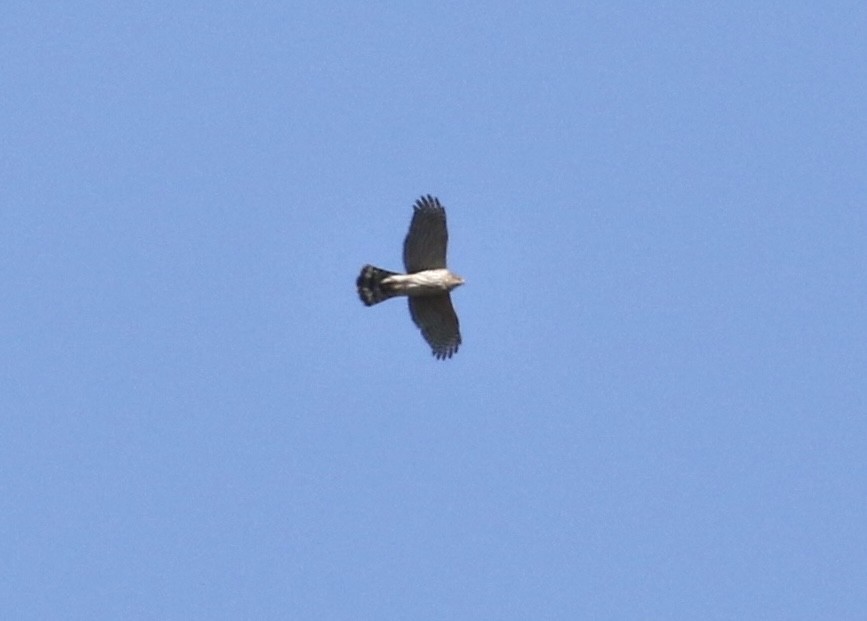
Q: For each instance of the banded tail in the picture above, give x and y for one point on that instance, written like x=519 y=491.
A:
x=370 y=287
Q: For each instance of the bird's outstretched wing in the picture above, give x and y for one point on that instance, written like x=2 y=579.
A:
x=425 y=245
x=436 y=318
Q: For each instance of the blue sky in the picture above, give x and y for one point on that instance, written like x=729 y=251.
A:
x=659 y=408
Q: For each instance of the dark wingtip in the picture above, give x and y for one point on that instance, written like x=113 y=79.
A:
x=444 y=354
x=427 y=201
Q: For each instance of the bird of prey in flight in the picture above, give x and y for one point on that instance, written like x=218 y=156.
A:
x=427 y=282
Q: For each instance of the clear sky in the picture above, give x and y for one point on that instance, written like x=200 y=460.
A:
x=659 y=410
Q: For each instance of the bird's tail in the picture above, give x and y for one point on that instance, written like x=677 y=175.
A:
x=371 y=289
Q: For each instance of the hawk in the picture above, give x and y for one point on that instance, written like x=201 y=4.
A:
x=427 y=282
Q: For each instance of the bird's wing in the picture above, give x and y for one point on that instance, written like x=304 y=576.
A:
x=425 y=245
x=436 y=318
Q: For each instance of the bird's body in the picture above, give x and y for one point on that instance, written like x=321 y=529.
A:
x=427 y=282
x=390 y=284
